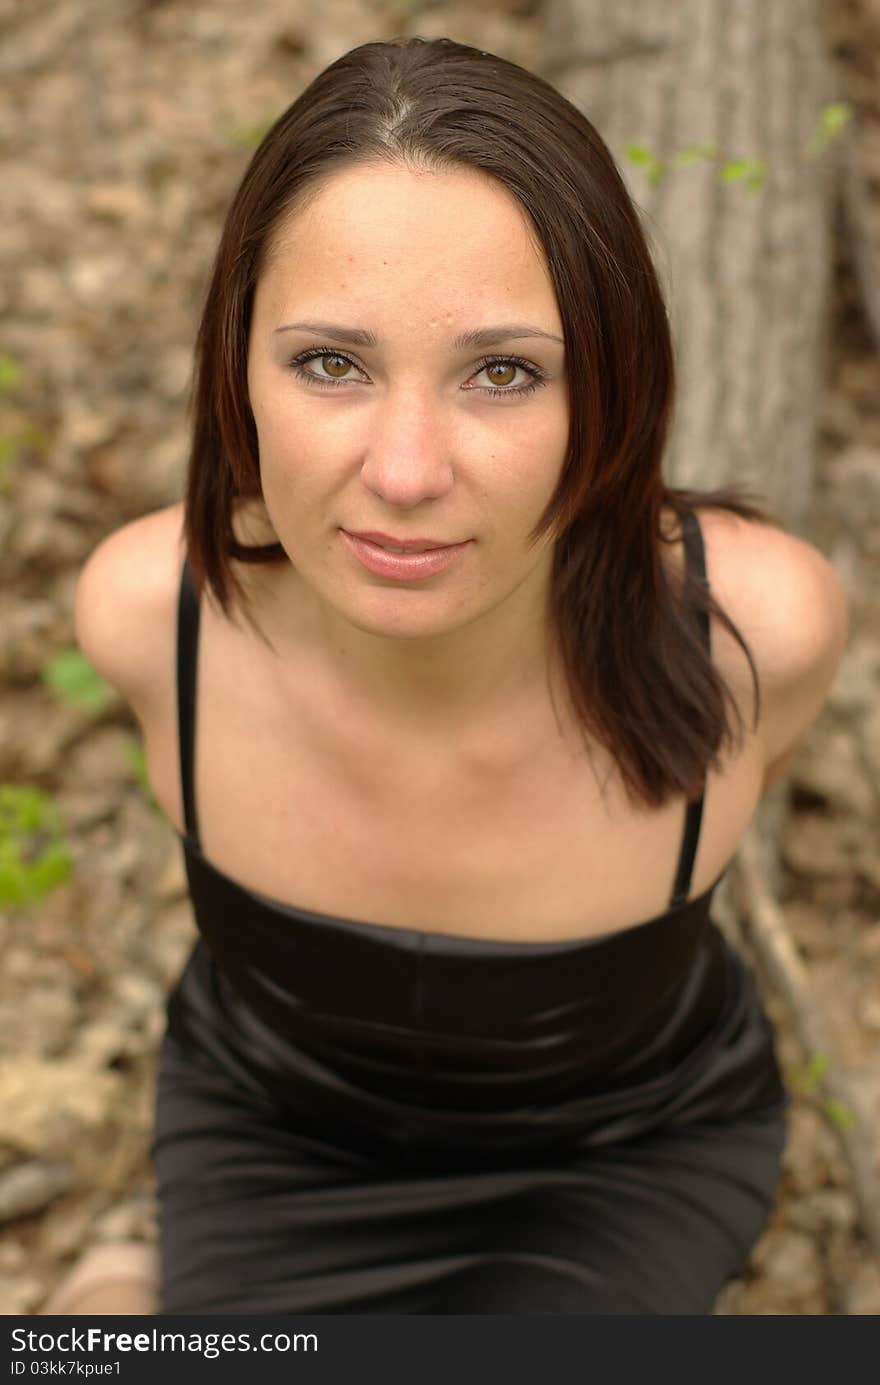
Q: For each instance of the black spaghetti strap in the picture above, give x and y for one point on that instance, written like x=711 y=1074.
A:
x=187 y=655
x=695 y=557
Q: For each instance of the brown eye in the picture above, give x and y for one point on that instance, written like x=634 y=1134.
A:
x=503 y=366
x=340 y=360
x=335 y=367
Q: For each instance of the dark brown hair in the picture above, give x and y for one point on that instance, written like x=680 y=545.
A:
x=640 y=677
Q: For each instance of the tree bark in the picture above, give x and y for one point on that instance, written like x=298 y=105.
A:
x=746 y=275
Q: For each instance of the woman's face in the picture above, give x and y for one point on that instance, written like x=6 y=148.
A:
x=401 y=434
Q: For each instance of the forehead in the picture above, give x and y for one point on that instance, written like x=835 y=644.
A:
x=372 y=227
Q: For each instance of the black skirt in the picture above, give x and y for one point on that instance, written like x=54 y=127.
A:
x=285 y=1186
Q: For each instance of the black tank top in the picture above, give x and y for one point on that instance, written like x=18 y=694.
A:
x=380 y=1020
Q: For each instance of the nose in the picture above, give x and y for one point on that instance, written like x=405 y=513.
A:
x=407 y=458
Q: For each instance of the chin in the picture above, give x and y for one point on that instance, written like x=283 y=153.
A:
x=402 y=614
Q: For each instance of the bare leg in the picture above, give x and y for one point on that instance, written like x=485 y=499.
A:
x=109 y=1279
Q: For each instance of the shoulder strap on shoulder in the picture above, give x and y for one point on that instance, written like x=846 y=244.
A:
x=187 y=657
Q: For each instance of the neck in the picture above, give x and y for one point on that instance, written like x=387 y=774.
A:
x=486 y=687
x=491 y=677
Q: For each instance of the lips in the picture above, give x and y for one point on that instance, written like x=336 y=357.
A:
x=406 y=567
x=395 y=545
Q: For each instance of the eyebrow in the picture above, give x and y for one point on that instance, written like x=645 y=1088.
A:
x=478 y=337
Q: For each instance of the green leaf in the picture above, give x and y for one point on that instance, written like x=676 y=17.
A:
x=638 y=154
x=33 y=855
x=53 y=868
x=753 y=171
x=25 y=809
x=839 y=1115
x=13 y=885
x=23 y=884
x=809 y=1079
x=832 y=120
x=137 y=762
x=818 y=1066
x=10 y=373
x=698 y=151
x=71 y=676
x=137 y=759
x=835 y=116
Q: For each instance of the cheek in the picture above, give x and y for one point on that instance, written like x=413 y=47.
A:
x=287 y=428
x=276 y=426
x=531 y=472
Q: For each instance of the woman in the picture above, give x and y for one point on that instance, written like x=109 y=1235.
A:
x=483 y=708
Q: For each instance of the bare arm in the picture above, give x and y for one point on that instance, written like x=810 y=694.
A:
x=121 y=607
x=791 y=609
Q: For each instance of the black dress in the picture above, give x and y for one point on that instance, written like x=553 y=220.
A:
x=354 y=1118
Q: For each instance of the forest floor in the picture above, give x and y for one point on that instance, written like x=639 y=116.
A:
x=117 y=167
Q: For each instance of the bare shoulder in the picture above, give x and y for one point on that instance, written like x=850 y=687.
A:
x=124 y=601
x=790 y=607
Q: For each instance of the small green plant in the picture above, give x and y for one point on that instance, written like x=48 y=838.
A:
x=137 y=762
x=27 y=437
x=638 y=154
x=71 y=676
x=34 y=858
x=810 y=1081
x=751 y=172
x=810 y=1078
x=10 y=373
x=697 y=151
x=832 y=120
x=839 y=1115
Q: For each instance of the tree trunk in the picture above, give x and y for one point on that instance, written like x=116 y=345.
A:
x=745 y=273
